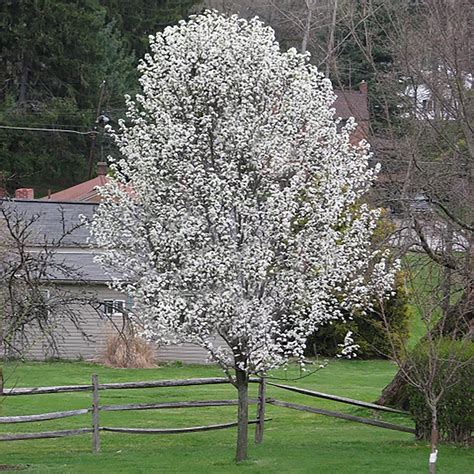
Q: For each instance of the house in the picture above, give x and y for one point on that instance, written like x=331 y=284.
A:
x=436 y=95
x=351 y=103
x=83 y=192
x=78 y=203
x=77 y=253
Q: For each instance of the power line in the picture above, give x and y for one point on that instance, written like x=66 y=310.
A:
x=52 y=126
x=54 y=130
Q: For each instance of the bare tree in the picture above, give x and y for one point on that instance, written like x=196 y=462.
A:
x=430 y=137
x=436 y=366
x=307 y=25
x=423 y=136
x=34 y=307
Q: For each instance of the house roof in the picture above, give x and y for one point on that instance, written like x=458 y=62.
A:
x=80 y=268
x=352 y=104
x=54 y=220
x=73 y=259
x=82 y=192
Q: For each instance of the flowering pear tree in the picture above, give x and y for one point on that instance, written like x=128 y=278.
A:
x=235 y=212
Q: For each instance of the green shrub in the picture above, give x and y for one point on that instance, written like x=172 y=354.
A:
x=456 y=408
x=369 y=330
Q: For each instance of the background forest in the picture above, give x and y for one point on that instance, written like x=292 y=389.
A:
x=63 y=64
x=68 y=64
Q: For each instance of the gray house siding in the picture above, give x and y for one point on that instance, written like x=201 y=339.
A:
x=71 y=344
x=75 y=252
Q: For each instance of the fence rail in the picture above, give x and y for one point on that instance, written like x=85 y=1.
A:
x=45 y=434
x=343 y=416
x=9 y=392
x=56 y=415
x=190 y=429
x=337 y=398
x=95 y=387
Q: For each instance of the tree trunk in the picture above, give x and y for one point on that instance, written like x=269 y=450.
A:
x=395 y=394
x=22 y=93
x=434 y=444
x=243 y=414
x=446 y=283
x=307 y=28
x=330 y=54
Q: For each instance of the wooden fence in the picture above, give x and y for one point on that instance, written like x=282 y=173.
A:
x=95 y=387
x=343 y=416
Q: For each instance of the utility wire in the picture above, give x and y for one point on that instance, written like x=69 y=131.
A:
x=54 y=130
x=52 y=126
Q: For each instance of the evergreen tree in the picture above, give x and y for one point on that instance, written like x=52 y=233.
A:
x=55 y=56
x=140 y=18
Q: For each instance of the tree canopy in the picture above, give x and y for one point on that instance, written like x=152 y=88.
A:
x=235 y=210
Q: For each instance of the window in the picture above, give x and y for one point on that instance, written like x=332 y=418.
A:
x=427 y=105
x=119 y=306
x=108 y=306
x=114 y=306
x=39 y=303
x=341 y=124
x=416 y=3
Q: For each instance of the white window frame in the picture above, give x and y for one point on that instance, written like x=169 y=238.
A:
x=119 y=307
x=114 y=306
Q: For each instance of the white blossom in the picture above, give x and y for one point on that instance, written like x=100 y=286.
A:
x=348 y=348
x=235 y=209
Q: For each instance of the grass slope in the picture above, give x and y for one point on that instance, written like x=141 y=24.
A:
x=295 y=442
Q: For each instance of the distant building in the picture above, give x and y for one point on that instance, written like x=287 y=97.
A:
x=83 y=192
x=350 y=103
x=434 y=98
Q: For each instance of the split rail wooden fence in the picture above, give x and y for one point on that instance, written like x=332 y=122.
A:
x=343 y=416
x=95 y=387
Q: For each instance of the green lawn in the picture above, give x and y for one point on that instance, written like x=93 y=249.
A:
x=424 y=289
x=294 y=441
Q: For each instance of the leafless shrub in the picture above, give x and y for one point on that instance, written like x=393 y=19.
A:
x=126 y=349
x=35 y=308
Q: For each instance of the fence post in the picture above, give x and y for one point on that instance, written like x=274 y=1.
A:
x=260 y=411
x=95 y=414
